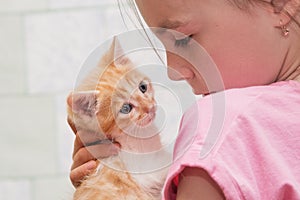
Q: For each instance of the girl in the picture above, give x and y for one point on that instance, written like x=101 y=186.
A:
x=256 y=47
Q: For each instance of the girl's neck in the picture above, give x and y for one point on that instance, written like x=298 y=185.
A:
x=290 y=69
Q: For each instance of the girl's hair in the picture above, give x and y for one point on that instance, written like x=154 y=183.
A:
x=128 y=7
x=124 y=7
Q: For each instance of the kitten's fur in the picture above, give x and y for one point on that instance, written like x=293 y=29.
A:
x=95 y=106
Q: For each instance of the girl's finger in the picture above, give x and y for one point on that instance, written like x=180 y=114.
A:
x=78 y=174
x=99 y=151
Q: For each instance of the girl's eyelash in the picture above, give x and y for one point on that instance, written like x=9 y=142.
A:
x=183 y=42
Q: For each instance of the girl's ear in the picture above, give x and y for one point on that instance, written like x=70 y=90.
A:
x=285 y=10
x=83 y=102
x=279 y=5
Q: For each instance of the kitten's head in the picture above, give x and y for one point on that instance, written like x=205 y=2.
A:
x=118 y=99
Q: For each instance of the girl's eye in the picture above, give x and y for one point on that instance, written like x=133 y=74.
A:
x=183 y=42
x=143 y=87
x=126 y=108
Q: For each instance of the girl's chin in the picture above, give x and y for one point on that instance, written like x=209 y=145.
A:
x=203 y=93
x=200 y=92
x=198 y=88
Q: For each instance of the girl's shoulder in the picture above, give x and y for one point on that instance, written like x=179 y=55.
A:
x=255 y=100
x=270 y=108
x=222 y=112
x=246 y=139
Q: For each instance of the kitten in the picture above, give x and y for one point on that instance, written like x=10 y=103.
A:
x=117 y=101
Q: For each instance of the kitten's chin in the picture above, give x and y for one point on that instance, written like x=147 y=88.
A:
x=147 y=120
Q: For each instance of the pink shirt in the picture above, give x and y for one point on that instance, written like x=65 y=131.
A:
x=252 y=150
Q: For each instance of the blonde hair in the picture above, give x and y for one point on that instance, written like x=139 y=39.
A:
x=244 y=5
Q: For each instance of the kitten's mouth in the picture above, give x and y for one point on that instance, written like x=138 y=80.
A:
x=147 y=119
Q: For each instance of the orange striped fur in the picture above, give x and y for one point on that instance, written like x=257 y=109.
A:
x=98 y=105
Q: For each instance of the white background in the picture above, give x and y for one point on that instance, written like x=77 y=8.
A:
x=42 y=46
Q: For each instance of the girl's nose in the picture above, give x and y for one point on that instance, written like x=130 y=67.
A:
x=179 y=73
x=178 y=69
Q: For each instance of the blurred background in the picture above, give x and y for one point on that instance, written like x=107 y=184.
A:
x=42 y=46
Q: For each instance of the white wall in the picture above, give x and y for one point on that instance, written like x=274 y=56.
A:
x=42 y=45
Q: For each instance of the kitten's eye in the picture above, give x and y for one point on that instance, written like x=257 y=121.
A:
x=183 y=42
x=143 y=87
x=126 y=108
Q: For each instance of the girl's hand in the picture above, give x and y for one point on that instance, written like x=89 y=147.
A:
x=86 y=151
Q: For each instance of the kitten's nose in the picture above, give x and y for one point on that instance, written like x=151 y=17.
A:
x=152 y=109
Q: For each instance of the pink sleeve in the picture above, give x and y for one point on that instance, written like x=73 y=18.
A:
x=256 y=154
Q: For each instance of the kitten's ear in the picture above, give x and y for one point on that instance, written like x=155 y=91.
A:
x=83 y=102
x=117 y=54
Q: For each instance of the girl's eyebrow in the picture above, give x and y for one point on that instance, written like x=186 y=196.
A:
x=168 y=24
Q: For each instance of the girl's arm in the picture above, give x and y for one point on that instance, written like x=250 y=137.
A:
x=196 y=184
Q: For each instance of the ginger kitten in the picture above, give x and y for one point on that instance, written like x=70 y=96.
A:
x=117 y=101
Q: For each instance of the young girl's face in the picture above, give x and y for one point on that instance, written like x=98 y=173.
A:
x=244 y=44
